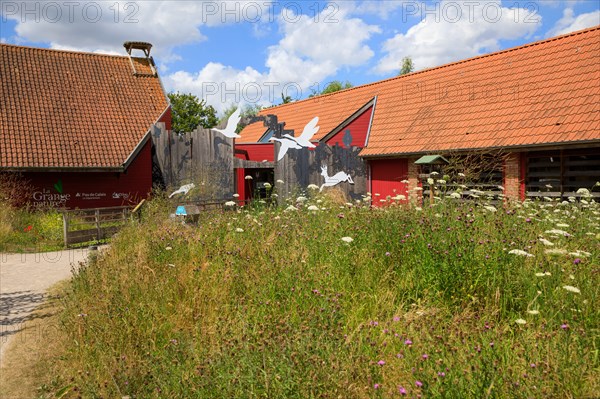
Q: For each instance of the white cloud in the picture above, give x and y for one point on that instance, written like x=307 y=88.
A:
x=571 y=23
x=456 y=30
x=311 y=50
x=103 y=26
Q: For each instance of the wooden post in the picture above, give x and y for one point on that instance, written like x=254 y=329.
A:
x=97 y=216
x=65 y=228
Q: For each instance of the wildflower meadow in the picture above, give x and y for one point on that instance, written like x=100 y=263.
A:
x=320 y=298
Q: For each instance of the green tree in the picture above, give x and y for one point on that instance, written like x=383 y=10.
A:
x=332 y=87
x=247 y=111
x=286 y=99
x=407 y=66
x=188 y=111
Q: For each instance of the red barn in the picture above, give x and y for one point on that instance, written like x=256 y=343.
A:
x=77 y=125
x=537 y=104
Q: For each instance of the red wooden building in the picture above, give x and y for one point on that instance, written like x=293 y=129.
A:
x=537 y=104
x=76 y=125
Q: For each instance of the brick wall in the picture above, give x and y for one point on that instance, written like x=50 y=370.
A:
x=415 y=197
x=512 y=177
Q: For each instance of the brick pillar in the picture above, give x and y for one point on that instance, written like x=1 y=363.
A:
x=414 y=197
x=512 y=176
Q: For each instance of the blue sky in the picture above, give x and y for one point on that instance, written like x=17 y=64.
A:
x=250 y=51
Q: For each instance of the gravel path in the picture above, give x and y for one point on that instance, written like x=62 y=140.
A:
x=24 y=279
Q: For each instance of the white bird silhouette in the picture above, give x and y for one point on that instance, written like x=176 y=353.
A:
x=286 y=144
x=232 y=124
x=309 y=131
x=183 y=189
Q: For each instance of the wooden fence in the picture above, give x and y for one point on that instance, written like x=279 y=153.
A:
x=85 y=225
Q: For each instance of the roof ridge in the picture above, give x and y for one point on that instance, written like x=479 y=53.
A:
x=508 y=50
x=64 y=51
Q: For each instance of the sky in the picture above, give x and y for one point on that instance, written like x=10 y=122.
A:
x=250 y=52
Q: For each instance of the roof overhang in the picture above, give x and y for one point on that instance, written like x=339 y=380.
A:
x=519 y=148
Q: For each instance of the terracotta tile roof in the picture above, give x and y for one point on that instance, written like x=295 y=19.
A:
x=541 y=93
x=65 y=109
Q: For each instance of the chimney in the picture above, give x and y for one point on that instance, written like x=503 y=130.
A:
x=145 y=47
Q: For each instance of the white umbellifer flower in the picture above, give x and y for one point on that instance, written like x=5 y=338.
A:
x=520 y=252
x=275 y=195
x=313 y=187
x=168 y=248
x=441 y=181
x=461 y=175
x=349 y=204
x=500 y=188
x=490 y=208
x=404 y=181
x=377 y=194
x=347 y=239
x=291 y=208
x=434 y=173
x=534 y=312
x=267 y=185
x=248 y=177
x=555 y=251
x=301 y=199
x=235 y=195
x=399 y=197
x=581 y=254
x=382 y=200
x=430 y=181
x=313 y=208
x=583 y=191
x=540 y=274
x=571 y=276
x=520 y=321
x=548 y=186
x=557 y=232
x=570 y=288
x=548 y=199
x=239 y=230
x=545 y=242
x=230 y=203
x=455 y=195
x=279 y=181
x=563 y=225
x=418 y=209
x=418 y=189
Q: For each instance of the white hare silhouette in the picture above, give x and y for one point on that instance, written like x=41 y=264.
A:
x=335 y=179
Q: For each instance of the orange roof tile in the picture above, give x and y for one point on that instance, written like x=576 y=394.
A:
x=510 y=98
x=63 y=109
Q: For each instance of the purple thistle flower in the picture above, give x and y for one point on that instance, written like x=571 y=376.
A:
x=577 y=261
x=396 y=318
x=441 y=374
x=376 y=386
x=425 y=356
x=387 y=254
x=564 y=326
x=418 y=383
x=532 y=365
x=528 y=220
x=381 y=362
x=491 y=344
x=402 y=390
x=408 y=342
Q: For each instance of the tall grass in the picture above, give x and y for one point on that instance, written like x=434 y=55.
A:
x=273 y=303
x=23 y=230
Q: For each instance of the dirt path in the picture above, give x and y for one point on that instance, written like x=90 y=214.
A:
x=24 y=279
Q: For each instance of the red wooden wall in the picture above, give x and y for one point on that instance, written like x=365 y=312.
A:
x=386 y=177
x=359 y=128
x=255 y=152
x=94 y=189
